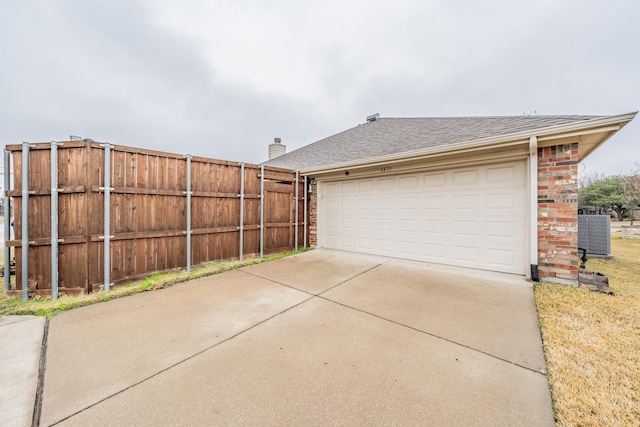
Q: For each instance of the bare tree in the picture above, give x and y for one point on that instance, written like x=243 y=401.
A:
x=585 y=179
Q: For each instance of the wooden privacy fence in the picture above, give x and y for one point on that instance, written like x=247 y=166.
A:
x=164 y=212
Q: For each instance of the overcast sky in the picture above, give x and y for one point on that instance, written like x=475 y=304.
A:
x=221 y=79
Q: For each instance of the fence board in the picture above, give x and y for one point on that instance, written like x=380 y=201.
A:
x=148 y=213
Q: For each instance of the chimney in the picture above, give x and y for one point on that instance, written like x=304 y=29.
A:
x=276 y=149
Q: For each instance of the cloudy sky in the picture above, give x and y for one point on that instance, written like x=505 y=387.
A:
x=223 y=78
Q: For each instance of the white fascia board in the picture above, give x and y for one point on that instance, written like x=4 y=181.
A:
x=551 y=132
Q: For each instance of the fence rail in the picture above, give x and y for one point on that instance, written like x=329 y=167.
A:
x=156 y=203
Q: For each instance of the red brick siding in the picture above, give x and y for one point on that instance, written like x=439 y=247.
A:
x=313 y=213
x=558 y=212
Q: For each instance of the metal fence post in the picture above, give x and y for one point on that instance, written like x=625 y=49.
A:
x=107 y=217
x=295 y=246
x=306 y=195
x=7 y=221
x=25 y=221
x=188 y=212
x=261 y=211
x=54 y=220
x=241 y=244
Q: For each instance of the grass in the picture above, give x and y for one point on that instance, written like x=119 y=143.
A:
x=49 y=308
x=592 y=343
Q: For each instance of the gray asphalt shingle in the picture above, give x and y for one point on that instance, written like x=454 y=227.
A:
x=387 y=136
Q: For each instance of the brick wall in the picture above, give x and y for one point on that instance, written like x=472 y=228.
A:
x=558 y=213
x=313 y=212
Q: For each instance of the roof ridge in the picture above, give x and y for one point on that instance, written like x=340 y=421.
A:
x=493 y=117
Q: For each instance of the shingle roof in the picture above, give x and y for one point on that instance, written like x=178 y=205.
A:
x=387 y=136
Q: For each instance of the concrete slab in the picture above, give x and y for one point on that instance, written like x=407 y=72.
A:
x=99 y=350
x=491 y=312
x=383 y=342
x=21 y=344
x=322 y=363
x=316 y=271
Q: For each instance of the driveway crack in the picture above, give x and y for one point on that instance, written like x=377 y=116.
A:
x=434 y=336
x=37 y=406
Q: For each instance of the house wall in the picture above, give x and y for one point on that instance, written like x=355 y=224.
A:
x=558 y=213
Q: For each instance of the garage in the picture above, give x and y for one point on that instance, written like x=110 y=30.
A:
x=497 y=193
x=470 y=217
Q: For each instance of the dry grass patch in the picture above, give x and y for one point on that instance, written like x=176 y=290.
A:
x=592 y=343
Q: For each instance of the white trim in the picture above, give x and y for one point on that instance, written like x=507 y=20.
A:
x=613 y=128
x=533 y=202
x=426 y=165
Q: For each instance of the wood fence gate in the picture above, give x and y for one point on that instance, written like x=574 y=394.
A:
x=165 y=212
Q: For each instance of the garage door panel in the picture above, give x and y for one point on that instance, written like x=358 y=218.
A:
x=434 y=226
x=465 y=228
x=385 y=224
x=331 y=240
x=501 y=174
x=385 y=246
x=465 y=201
x=473 y=217
x=438 y=202
x=408 y=182
x=366 y=186
x=466 y=177
x=463 y=253
x=348 y=187
x=410 y=225
x=501 y=200
x=348 y=241
x=409 y=203
x=434 y=180
x=366 y=204
x=500 y=257
x=386 y=184
x=408 y=248
x=433 y=251
x=365 y=224
x=348 y=205
x=348 y=224
x=503 y=230
x=331 y=188
x=386 y=203
x=365 y=243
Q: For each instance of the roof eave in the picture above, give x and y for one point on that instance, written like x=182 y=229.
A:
x=611 y=123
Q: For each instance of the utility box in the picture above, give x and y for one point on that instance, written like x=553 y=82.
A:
x=594 y=234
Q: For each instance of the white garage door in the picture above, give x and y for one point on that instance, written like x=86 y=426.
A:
x=471 y=217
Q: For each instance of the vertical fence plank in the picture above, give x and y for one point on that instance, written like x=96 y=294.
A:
x=241 y=228
x=188 y=214
x=295 y=221
x=107 y=217
x=262 y=211
x=25 y=221
x=54 y=220
x=7 y=220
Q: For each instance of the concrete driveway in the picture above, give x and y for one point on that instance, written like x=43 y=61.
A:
x=320 y=338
